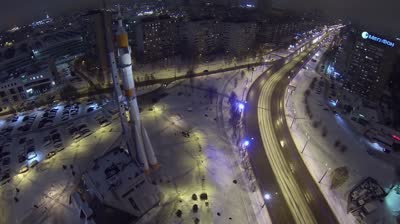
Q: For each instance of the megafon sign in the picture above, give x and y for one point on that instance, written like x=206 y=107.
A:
x=366 y=35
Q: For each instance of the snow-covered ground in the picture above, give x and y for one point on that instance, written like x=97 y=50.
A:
x=206 y=161
x=208 y=154
x=43 y=191
x=320 y=154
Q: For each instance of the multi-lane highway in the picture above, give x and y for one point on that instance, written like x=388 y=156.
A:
x=277 y=164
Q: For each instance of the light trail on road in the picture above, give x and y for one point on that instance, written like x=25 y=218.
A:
x=291 y=191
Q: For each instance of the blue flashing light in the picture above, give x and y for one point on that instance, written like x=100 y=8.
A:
x=246 y=143
x=241 y=106
x=334 y=102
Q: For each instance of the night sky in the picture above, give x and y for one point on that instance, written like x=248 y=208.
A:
x=382 y=16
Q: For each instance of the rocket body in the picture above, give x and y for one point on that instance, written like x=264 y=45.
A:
x=143 y=144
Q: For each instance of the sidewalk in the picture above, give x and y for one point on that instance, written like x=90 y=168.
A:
x=318 y=150
x=241 y=89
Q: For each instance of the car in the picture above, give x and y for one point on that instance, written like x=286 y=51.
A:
x=4 y=154
x=57 y=140
x=6 y=161
x=47 y=124
x=7 y=144
x=34 y=163
x=74 y=112
x=64 y=118
x=85 y=132
x=90 y=109
x=46 y=142
x=41 y=108
x=104 y=122
x=55 y=135
x=22 y=140
x=76 y=137
x=82 y=126
x=31 y=155
x=30 y=142
x=54 y=131
x=30 y=149
x=25 y=118
x=23 y=169
x=99 y=116
x=51 y=154
x=5 y=178
x=59 y=147
x=15 y=119
x=21 y=158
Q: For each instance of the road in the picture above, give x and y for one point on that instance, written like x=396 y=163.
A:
x=277 y=164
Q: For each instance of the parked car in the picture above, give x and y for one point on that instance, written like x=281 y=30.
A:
x=21 y=158
x=22 y=140
x=59 y=146
x=85 y=132
x=30 y=142
x=90 y=109
x=34 y=163
x=15 y=119
x=6 y=161
x=46 y=141
x=104 y=122
x=23 y=169
x=50 y=154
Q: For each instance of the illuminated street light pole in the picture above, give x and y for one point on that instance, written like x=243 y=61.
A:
x=326 y=171
x=267 y=197
x=305 y=145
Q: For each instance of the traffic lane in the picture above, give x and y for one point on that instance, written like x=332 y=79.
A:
x=321 y=209
x=277 y=206
x=281 y=168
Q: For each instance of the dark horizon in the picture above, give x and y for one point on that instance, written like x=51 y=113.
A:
x=374 y=15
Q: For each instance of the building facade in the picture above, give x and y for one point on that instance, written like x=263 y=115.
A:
x=156 y=38
x=239 y=37
x=365 y=63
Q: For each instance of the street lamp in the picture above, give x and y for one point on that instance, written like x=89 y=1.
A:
x=326 y=171
x=267 y=197
x=305 y=145
x=246 y=143
x=294 y=118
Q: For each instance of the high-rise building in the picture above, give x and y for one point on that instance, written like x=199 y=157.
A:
x=95 y=37
x=202 y=37
x=239 y=37
x=369 y=60
x=156 y=38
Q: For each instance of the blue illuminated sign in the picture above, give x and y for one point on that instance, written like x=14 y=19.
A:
x=366 y=35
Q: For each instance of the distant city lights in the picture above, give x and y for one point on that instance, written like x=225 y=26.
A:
x=146 y=13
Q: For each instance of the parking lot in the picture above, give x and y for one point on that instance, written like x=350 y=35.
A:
x=29 y=138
